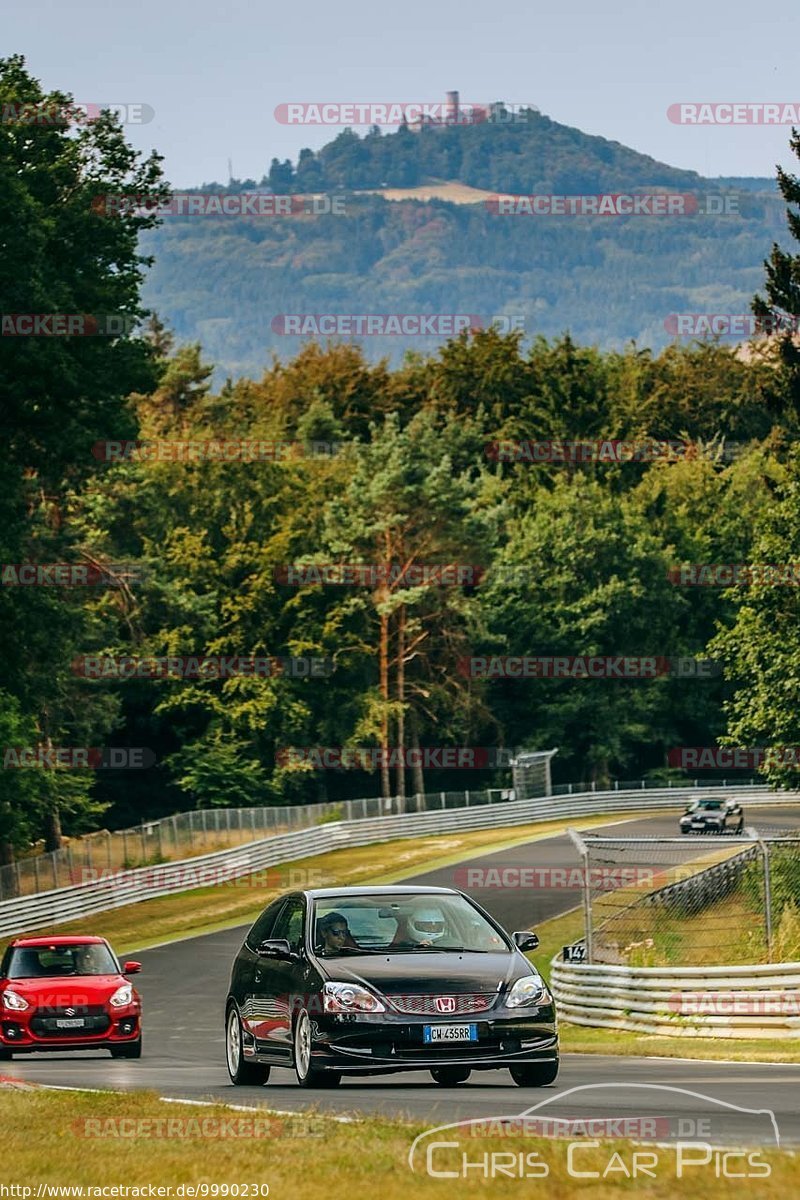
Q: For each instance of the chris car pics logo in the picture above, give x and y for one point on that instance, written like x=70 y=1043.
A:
x=675 y=1134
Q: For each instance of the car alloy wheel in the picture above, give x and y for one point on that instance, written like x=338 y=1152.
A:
x=240 y=1071
x=534 y=1074
x=450 y=1076
x=308 y=1076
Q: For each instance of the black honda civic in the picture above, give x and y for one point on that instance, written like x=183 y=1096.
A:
x=368 y=981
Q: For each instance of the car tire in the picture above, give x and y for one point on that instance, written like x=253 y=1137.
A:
x=5 y=1055
x=740 y=827
x=131 y=1050
x=242 y=1073
x=308 y=1076
x=450 y=1076
x=534 y=1074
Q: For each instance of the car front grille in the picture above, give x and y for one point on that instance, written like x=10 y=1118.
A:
x=430 y=1006
x=94 y=1017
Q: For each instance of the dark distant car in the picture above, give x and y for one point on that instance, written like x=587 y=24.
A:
x=369 y=981
x=713 y=814
x=68 y=993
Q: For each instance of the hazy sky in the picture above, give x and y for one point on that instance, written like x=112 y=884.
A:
x=215 y=71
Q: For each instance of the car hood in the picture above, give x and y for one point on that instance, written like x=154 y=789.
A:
x=706 y=816
x=427 y=974
x=60 y=991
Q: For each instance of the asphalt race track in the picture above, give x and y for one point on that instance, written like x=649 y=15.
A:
x=184 y=986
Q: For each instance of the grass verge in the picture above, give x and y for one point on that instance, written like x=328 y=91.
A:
x=81 y=1139
x=580 y=1039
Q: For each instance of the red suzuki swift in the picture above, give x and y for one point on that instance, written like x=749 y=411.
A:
x=68 y=993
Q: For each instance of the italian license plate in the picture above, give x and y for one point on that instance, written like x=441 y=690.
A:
x=70 y=1023
x=449 y=1033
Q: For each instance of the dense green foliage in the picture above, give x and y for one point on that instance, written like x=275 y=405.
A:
x=575 y=557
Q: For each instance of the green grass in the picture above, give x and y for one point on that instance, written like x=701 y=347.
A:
x=80 y=1138
x=580 y=1039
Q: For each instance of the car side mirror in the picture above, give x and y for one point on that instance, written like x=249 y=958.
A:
x=525 y=939
x=276 y=948
x=131 y=968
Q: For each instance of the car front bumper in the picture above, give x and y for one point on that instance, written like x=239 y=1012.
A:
x=383 y=1043
x=119 y=1029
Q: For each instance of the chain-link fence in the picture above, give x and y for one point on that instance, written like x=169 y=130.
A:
x=185 y=835
x=698 y=901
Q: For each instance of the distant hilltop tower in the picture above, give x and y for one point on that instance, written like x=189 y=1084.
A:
x=451 y=114
x=451 y=108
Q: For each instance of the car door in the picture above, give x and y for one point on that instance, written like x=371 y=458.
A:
x=277 y=981
x=248 y=965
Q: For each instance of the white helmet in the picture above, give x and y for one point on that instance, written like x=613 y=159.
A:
x=428 y=924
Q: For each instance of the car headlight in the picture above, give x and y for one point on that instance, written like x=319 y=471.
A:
x=15 y=1002
x=350 y=998
x=122 y=996
x=531 y=989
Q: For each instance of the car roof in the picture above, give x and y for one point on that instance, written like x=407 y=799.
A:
x=342 y=893
x=61 y=940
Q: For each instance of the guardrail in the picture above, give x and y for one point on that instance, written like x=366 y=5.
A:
x=200 y=831
x=145 y=883
x=722 y=1002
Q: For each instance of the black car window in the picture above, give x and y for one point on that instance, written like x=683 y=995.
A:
x=262 y=928
x=289 y=924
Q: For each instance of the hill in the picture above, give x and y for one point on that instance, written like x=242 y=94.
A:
x=227 y=281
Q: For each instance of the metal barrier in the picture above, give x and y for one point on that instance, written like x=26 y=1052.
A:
x=722 y=1002
x=145 y=883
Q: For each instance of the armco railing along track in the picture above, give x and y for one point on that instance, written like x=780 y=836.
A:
x=145 y=883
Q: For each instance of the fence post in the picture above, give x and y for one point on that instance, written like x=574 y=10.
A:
x=144 y=844
x=441 y=799
x=767 y=898
x=55 y=868
x=36 y=871
x=582 y=848
x=466 y=794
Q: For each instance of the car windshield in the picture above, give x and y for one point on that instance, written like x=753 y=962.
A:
x=710 y=804
x=43 y=962
x=418 y=924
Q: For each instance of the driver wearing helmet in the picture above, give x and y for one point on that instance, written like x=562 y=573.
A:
x=423 y=927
